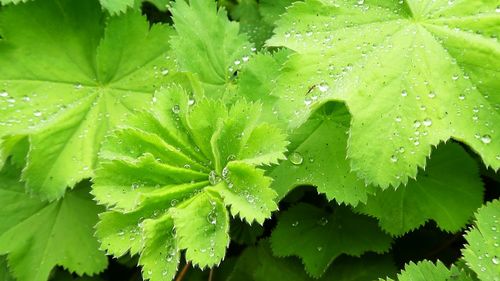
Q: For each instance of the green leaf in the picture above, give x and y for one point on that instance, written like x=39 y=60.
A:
x=202 y=227
x=179 y=165
x=271 y=10
x=412 y=73
x=307 y=232
x=447 y=192
x=37 y=236
x=428 y=271
x=482 y=254
x=207 y=43
x=66 y=83
x=317 y=156
x=157 y=247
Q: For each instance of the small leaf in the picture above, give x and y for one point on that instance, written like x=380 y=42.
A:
x=319 y=237
x=482 y=254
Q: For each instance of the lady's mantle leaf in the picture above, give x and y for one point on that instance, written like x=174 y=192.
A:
x=37 y=236
x=448 y=192
x=319 y=237
x=482 y=254
x=67 y=82
x=169 y=176
x=412 y=73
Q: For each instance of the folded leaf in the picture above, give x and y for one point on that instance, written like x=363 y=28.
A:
x=177 y=167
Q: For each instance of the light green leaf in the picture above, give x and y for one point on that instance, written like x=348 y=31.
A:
x=184 y=161
x=158 y=248
x=202 y=227
x=317 y=156
x=318 y=237
x=271 y=10
x=412 y=73
x=448 y=192
x=482 y=254
x=67 y=82
x=37 y=236
x=207 y=43
x=428 y=271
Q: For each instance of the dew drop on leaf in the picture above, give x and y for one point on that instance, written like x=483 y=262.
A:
x=486 y=139
x=296 y=158
x=176 y=109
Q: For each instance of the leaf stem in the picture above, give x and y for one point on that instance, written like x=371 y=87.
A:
x=181 y=275
x=211 y=274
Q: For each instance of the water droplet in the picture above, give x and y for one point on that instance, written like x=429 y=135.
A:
x=225 y=173
x=176 y=109
x=323 y=87
x=295 y=223
x=417 y=124
x=213 y=178
x=394 y=159
x=4 y=94
x=231 y=157
x=212 y=218
x=486 y=139
x=296 y=158
x=432 y=94
x=250 y=198
x=187 y=166
x=497 y=10
x=78 y=86
x=237 y=62
x=397 y=119
x=191 y=102
x=404 y=93
x=173 y=202
x=455 y=77
x=164 y=71
x=319 y=248
x=401 y=149
x=134 y=186
x=245 y=58
x=461 y=97
x=427 y=122
x=495 y=260
x=37 y=113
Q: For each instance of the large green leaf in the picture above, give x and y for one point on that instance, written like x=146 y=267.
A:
x=318 y=236
x=317 y=156
x=37 y=236
x=67 y=82
x=412 y=73
x=448 y=192
x=482 y=254
x=170 y=176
